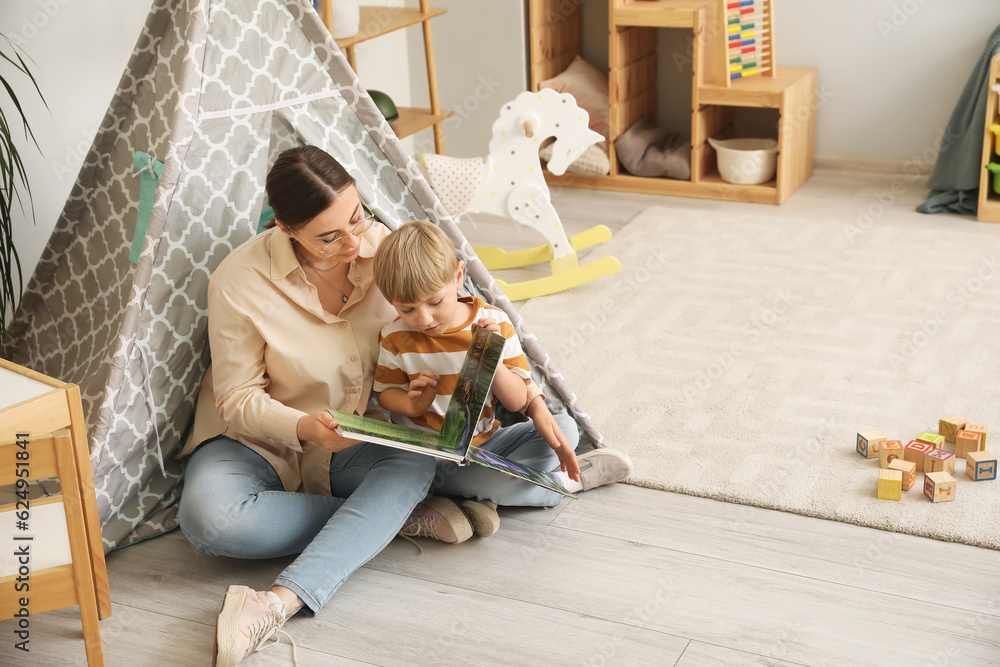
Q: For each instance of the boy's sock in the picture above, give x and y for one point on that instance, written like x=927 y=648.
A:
x=571 y=486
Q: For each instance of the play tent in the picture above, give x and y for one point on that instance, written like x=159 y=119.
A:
x=174 y=180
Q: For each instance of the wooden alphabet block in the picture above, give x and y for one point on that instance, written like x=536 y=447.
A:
x=915 y=451
x=889 y=452
x=982 y=429
x=938 y=460
x=931 y=438
x=951 y=425
x=968 y=441
x=869 y=442
x=939 y=486
x=981 y=466
x=890 y=484
x=909 y=471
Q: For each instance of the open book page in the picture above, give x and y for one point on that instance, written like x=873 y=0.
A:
x=472 y=389
x=393 y=435
x=528 y=474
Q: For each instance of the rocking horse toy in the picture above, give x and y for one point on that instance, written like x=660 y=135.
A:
x=510 y=183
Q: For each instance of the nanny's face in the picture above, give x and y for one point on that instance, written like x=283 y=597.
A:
x=334 y=236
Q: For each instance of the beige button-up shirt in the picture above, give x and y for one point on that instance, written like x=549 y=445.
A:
x=278 y=355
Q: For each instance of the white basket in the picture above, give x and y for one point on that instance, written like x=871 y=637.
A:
x=746 y=161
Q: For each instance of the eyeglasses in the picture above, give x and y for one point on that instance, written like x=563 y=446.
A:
x=356 y=228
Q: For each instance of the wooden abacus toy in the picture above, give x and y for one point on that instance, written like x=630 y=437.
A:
x=749 y=43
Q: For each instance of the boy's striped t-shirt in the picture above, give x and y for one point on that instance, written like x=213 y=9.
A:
x=403 y=353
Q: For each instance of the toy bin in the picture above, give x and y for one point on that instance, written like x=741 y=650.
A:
x=746 y=161
x=995 y=168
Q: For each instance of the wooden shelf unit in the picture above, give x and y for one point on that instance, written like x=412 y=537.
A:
x=48 y=414
x=989 y=201
x=555 y=39
x=378 y=21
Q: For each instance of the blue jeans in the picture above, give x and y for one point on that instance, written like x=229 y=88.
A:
x=233 y=505
x=520 y=443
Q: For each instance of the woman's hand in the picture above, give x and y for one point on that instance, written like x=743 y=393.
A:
x=423 y=391
x=318 y=429
x=546 y=425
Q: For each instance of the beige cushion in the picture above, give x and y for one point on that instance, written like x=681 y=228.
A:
x=590 y=88
x=592 y=162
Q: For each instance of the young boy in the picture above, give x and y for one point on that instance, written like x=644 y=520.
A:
x=420 y=356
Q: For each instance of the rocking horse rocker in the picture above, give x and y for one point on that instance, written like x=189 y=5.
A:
x=510 y=183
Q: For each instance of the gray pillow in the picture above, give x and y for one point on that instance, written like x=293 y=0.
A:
x=645 y=150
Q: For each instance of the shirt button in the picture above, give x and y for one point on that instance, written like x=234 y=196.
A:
x=354 y=357
x=343 y=324
x=356 y=390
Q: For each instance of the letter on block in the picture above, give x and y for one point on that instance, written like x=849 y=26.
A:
x=889 y=452
x=931 y=438
x=939 y=460
x=951 y=425
x=968 y=441
x=939 y=486
x=909 y=471
x=869 y=442
x=982 y=429
x=981 y=466
x=915 y=450
x=890 y=484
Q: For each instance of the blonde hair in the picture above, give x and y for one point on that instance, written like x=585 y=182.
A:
x=414 y=261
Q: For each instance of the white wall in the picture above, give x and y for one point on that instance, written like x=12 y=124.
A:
x=481 y=56
x=893 y=69
x=80 y=49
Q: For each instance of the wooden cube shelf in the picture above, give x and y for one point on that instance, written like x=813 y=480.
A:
x=715 y=99
x=989 y=201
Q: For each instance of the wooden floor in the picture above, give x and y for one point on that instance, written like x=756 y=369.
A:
x=622 y=576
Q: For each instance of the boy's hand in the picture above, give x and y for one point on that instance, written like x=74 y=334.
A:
x=423 y=391
x=318 y=429
x=487 y=323
x=546 y=425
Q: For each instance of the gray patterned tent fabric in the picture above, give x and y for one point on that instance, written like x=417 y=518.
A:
x=215 y=89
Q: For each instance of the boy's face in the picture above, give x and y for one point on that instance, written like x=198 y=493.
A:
x=435 y=313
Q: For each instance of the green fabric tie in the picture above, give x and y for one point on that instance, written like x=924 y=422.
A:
x=265 y=217
x=151 y=170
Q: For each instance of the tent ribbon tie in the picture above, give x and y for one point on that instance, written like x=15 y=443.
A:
x=150 y=171
x=152 y=408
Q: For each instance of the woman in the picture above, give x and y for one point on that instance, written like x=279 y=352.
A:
x=294 y=321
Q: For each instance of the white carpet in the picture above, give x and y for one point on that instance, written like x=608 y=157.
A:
x=743 y=347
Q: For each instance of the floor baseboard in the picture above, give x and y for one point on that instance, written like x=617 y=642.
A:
x=853 y=165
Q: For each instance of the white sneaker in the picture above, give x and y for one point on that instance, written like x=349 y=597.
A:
x=603 y=466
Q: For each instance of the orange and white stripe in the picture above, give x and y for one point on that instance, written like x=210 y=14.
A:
x=404 y=353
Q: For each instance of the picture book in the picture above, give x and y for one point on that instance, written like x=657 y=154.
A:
x=454 y=442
